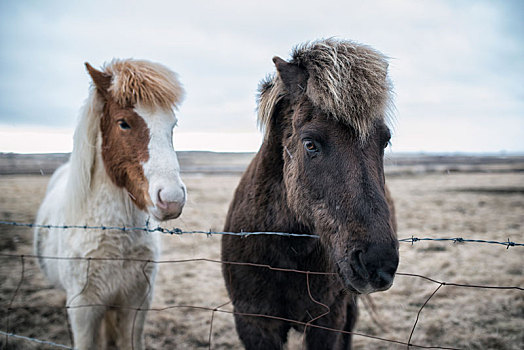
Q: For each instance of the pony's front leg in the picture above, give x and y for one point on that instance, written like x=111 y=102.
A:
x=85 y=323
x=130 y=326
x=131 y=318
x=131 y=329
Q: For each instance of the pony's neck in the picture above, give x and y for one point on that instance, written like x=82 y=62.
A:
x=108 y=203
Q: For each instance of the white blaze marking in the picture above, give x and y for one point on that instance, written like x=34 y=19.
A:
x=162 y=169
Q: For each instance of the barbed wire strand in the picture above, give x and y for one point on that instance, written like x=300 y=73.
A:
x=458 y=284
x=69 y=329
x=301 y=323
x=338 y=330
x=13 y=298
x=273 y=268
x=419 y=311
x=178 y=231
x=173 y=231
x=280 y=269
x=507 y=243
x=313 y=319
x=35 y=340
x=146 y=296
x=211 y=321
x=85 y=283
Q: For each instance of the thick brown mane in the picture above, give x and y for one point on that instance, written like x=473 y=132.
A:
x=138 y=81
x=348 y=81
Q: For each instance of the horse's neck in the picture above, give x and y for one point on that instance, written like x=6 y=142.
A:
x=107 y=203
x=95 y=199
x=260 y=204
x=267 y=183
x=270 y=165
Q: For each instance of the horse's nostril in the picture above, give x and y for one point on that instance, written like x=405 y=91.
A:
x=160 y=202
x=170 y=201
x=357 y=264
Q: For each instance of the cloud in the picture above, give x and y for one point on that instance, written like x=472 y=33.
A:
x=452 y=63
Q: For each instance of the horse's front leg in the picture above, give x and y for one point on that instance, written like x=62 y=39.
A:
x=259 y=333
x=85 y=319
x=136 y=301
x=130 y=326
x=337 y=318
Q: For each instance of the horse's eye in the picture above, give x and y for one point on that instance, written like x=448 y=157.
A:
x=387 y=143
x=388 y=140
x=310 y=146
x=123 y=125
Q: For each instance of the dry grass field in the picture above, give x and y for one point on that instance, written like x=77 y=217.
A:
x=470 y=205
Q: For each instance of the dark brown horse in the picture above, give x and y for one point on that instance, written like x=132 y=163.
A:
x=318 y=171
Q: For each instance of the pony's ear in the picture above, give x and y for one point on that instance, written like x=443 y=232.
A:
x=293 y=77
x=101 y=80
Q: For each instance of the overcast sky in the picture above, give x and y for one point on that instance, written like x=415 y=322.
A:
x=457 y=66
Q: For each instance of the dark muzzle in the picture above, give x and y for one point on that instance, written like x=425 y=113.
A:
x=370 y=269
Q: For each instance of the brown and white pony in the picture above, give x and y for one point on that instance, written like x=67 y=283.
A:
x=318 y=171
x=122 y=172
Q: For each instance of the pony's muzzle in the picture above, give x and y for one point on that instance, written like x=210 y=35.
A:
x=169 y=202
x=370 y=269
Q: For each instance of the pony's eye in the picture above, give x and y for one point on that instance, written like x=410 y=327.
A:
x=310 y=146
x=123 y=125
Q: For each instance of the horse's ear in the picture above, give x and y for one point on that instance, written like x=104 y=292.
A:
x=101 y=80
x=293 y=77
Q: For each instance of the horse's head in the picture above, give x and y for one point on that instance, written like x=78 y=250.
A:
x=136 y=130
x=332 y=98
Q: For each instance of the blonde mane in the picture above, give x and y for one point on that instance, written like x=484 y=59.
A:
x=347 y=81
x=133 y=81
x=138 y=81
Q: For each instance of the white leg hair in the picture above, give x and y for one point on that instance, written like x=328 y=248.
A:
x=85 y=324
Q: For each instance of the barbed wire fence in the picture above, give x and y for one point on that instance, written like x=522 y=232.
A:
x=179 y=231
x=8 y=333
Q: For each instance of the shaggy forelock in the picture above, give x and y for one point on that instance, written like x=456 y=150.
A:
x=148 y=83
x=347 y=81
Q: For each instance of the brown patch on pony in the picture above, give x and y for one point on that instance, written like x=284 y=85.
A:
x=124 y=150
x=346 y=80
x=139 y=81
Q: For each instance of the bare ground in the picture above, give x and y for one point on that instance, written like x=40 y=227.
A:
x=473 y=205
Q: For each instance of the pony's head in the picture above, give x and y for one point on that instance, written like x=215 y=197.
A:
x=136 y=126
x=325 y=111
